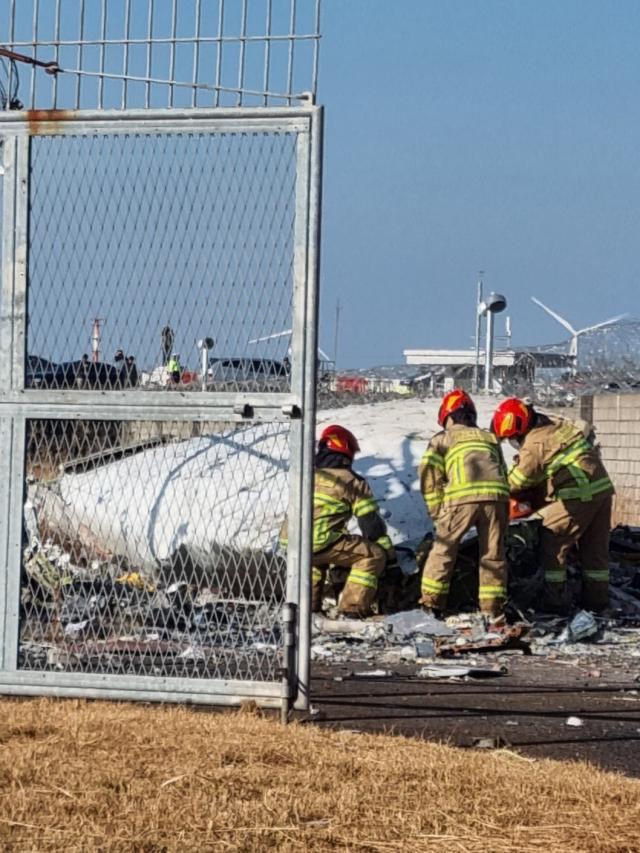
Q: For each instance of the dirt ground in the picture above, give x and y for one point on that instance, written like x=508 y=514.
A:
x=526 y=709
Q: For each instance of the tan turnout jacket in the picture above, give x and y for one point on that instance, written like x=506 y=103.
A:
x=462 y=465
x=560 y=454
x=338 y=494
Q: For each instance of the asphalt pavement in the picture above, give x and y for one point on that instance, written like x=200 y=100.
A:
x=526 y=710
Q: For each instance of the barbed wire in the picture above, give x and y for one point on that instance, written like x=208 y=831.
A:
x=608 y=362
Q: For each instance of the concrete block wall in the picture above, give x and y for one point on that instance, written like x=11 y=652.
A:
x=616 y=418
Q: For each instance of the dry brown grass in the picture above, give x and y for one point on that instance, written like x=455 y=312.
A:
x=83 y=776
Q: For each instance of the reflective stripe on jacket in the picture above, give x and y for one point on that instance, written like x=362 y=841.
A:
x=462 y=465
x=339 y=494
x=558 y=452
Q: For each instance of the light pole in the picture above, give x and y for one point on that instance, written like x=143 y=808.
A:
x=493 y=304
x=204 y=345
x=476 y=366
x=335 y=339
x=96 y=340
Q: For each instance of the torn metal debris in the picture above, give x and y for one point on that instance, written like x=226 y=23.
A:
x=110 y=617
x=113 y=616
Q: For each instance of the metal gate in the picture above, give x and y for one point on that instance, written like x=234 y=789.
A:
x=157 y=402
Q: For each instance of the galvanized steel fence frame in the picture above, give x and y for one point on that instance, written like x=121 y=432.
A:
x=19 y=404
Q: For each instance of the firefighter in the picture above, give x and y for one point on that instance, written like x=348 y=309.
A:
x=560 y=455
x=463 y=482
x=339 y=494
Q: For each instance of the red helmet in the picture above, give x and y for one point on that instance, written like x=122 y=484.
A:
x=451 y=402
x=512 y=418
x=338 y=438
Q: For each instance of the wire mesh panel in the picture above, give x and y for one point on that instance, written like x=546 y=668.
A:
x=153 y=548
x=159 y=313
x=123 y=54
x=141 y=245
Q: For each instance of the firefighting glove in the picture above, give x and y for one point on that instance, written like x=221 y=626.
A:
x=392 y=573
x=392 y=561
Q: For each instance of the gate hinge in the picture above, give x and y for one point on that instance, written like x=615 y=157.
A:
x=292 y=410
x=245 y=410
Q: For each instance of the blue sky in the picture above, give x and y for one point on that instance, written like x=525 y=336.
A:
x=494 y=135
x=460 y=135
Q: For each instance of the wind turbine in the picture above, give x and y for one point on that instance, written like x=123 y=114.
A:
x=575 y=333
x=283 y=334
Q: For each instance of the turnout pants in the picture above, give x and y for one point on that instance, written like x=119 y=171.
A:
x=366 y=562
x=490 y=519
x=587 y=525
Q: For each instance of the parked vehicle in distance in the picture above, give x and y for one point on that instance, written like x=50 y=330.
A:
x=247 y=374
x=42 y=373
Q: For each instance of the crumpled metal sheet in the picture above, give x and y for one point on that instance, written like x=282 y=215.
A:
x=509 y=638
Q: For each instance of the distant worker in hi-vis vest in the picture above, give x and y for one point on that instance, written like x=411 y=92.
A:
x=174 y=369
x=463 y=481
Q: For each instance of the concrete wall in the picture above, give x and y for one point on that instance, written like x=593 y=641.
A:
x=617 y=422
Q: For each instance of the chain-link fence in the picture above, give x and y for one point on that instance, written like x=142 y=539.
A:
x=152 y=549
x=149 y=564
x=158 y=331
x=182 y=235
x=607 y=361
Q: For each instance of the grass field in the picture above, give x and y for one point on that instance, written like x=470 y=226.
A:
x=81 y=775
